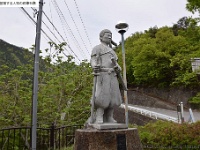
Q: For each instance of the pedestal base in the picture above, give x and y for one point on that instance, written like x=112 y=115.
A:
x=106 y=126
x=120 y=139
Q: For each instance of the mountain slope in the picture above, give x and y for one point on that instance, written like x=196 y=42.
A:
x=13 y=56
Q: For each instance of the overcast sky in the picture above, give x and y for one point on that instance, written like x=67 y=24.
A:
x=16 y=28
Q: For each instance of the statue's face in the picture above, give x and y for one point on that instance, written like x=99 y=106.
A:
x=107 y=37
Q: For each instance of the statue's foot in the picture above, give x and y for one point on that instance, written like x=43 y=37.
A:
x=99 y=120
x=99 y=116
x=111 y=120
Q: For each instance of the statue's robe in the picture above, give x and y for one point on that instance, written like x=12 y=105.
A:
x=107 y=93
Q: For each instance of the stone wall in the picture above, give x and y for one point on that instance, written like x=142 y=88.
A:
x=153 y=97
x=160 y=98
x=134 y=118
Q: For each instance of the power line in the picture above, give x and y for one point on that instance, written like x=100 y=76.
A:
x=52 y=22
x=27 y=16
x=57 y=32
x=76 y=26
x=47 y=27
x=61 y=35
x=50 y=13
x=62 y=18
x=35 y=23
x=68 y=28
x=46 y=33
x=31 y=19
x=82 y=23
x=53 y=26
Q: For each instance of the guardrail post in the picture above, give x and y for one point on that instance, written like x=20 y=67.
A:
x=179 y=113
x=191 y=116
x=182 y=113
x=52 y=137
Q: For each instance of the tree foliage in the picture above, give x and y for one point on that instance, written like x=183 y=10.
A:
x=169 y=135
x=160 y=57
x=13 y=56
x=193 y=6
x=63 y=97
x=15 y=96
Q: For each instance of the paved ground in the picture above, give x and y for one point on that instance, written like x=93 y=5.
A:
x=172 y=113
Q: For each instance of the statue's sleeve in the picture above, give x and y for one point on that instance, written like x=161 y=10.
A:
x=93 y=60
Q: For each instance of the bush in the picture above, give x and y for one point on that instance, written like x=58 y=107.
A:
x=195 y=101
x=169 y=135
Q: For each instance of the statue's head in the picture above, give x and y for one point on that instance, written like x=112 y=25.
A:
x=105 y=36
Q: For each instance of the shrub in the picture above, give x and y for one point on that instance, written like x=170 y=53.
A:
x=169 y=135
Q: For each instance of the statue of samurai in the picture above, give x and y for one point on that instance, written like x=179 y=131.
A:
x=107 y=93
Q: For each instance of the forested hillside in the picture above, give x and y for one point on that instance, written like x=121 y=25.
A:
x=12 y=56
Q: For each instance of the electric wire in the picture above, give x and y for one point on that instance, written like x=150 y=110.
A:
x=46 y=33
x=54 y=34
x=53 y=26
x=64 y=31
x=68 y=27
x=82 y=23
x=64 y=23
x=27 y=16
x=52 y=21
x=61 y=35
x=35 y=23
x=50 y=14
x=76 y=26
x=49 y=29
x=32 y=20
x=61 y=22
x=58 y=32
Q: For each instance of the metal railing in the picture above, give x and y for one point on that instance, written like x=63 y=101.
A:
x=150 y=114
x=47 y=138
x=15 y=138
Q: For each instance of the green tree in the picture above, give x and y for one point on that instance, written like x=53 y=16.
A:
x=193 y=6
x=161 y=58
x=15 y=97
x=65 y=90
x=156 y=61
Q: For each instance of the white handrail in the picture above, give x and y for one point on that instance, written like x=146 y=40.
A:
x=150 y=114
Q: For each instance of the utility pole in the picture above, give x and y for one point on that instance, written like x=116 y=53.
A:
x=35 y=81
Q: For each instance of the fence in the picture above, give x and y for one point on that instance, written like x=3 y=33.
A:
x=151 y=114
x=47 y=138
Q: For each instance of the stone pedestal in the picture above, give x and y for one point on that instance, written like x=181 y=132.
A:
x=117 y=139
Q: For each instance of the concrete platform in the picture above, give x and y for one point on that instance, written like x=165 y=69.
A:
x=118 y=139
x=106 y=126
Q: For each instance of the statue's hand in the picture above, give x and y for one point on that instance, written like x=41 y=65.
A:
x=117 y=67
x=96 y=68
